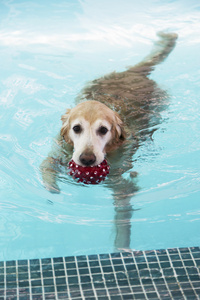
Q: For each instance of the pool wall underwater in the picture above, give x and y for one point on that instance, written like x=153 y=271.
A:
x=162 y=274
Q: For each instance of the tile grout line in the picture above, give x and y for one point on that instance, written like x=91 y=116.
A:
x=29 y=278
x=126 y=272
x=154 y=285
x=42 y=278
x=5 y=289
x=93 y=288
x=196 y=268
x=67 y=281
x=78 y=274
x=17 y=280
x=175 y=275
x=184 y=267
x=114 y=273
x=54 y=279
x=102 y=273
x=191 y=253
x=166 y=284
x=136 y=265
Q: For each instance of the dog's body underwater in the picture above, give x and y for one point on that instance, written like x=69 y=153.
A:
x=114 y=113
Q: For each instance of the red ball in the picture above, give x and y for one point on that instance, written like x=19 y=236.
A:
x=89 y=175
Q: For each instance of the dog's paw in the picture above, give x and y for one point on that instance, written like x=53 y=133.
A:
x=133 y=174
x=52 y=188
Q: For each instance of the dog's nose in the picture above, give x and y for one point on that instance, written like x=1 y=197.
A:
x=87 y=159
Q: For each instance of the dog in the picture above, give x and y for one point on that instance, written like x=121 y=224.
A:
x=93 y=130
x=113 y=116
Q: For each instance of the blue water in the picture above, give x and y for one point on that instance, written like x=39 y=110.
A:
x=48 y=51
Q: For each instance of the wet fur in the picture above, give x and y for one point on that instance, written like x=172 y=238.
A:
x=135 y=103
x=92 y=111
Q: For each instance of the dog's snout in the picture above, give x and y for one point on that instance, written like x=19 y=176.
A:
x=87 y=159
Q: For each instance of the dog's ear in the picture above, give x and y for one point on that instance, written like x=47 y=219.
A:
x=118 y=134
x=65 y=126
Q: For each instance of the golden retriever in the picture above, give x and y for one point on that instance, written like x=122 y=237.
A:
x=115 y=112
x=93 y=129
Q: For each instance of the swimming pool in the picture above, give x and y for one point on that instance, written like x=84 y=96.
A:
x=48 y=52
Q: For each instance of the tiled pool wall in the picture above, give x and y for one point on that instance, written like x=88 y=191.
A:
x=157 y=274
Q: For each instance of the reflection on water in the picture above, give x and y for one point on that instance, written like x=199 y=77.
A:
x=48 y=52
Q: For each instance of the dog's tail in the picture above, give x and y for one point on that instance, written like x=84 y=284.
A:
x=161 y=50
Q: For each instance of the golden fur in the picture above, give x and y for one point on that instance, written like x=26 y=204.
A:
x=126 y=103
x=120 y=114
x=92 y=111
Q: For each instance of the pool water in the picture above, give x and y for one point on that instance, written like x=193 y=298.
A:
x=49 y=50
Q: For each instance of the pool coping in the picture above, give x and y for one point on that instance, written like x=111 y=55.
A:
x=155 y=274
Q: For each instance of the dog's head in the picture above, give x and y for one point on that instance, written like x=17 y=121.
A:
x=94 y=130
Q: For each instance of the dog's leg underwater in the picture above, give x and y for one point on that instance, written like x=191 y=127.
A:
x=51 y=165
x=123 y=207
x=139 y=102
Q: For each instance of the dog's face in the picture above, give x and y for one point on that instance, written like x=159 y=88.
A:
x=93 y=129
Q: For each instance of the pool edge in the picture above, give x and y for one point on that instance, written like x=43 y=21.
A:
x=155 y=274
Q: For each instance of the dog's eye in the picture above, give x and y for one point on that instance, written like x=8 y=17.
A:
x=77 y=129
x=102 y=130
